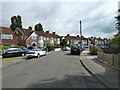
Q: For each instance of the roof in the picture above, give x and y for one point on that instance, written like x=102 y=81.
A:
x=6 y=30
x=75 y=38
x=40 y=33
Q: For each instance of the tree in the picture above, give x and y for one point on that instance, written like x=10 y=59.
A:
x=39 y=27
x=16 y=22
x=63 y=42
x=30 y=28
x=118 y=21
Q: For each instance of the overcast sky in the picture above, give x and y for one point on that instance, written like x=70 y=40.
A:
x=63 y=17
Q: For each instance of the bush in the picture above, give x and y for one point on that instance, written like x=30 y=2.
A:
x=50 y=48
x=116 y=39
x=57 y=46
x=4 y=47
x=94 y=50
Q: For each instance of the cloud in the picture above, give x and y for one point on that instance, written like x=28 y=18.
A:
x=63 y=17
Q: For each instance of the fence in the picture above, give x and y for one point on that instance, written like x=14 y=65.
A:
x=112 y=59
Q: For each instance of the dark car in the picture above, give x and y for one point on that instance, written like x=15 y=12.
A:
x=12 y=52
x=75 y=50
x=82 y=48
x=25 y=49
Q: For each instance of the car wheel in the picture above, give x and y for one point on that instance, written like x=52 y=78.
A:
x=38 y=55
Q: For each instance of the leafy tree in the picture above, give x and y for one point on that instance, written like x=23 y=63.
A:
x=63 y=42
x=30 y=28
x=116 y=39
x=16 y=22
x=118 y=21
x=39 y=27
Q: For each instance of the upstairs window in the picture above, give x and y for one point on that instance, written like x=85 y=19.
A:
x=44 y=38
x=34 y=37
x=6 y=36
x=40 y=37
x=47 y=38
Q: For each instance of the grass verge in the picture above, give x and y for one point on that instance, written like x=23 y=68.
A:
x=11 y=58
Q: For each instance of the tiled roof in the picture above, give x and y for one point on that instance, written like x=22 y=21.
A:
x=40 y=33
x=75 y=38
x=6 y=30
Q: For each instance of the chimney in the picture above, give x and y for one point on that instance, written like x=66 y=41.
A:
x=47 y=31
x=53 y=32
x=77 y=35
x=68 y=34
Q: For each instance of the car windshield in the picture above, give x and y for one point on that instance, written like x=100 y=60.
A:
x=76 y=47
x=36 y=50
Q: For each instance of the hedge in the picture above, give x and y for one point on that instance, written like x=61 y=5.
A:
x=4 y=47
x=94 y=50
x=50 y=48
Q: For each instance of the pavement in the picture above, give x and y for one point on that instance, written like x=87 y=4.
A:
x=104 y=73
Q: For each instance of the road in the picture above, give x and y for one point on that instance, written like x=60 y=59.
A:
x=55 y=70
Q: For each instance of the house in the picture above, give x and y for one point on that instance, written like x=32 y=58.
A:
x=26 y=37
x=29 y=37
x=72 y=40
x=7 y=37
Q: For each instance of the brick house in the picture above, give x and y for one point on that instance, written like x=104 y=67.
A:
x=6 y=37
x=28 y=37
x=45 y=39
x=72 y=40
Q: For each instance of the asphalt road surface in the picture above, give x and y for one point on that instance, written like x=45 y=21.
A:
x=55 y=70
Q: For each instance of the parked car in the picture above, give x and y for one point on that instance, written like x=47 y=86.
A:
x=66 y=48
x=75 y=50
x=103 y=46
x=25 y=49
x=36 y=53
x=82 y=48
x=12 y=52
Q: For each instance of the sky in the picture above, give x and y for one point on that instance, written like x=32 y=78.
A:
x=63 y=17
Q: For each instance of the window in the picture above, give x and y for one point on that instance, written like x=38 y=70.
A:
x=33 y=37
x=44 y=38
x=59 y=39
x=41 y=37
x=51 y=38
x=54 y=39
x=6 y=36
x=47 y=38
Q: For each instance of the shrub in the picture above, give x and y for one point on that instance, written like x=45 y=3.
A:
x=116 y=39
x=94 y=50
x=4 y=47
x=51 y=47
x=57 y=46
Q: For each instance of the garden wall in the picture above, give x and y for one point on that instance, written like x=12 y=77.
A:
x=112 y=59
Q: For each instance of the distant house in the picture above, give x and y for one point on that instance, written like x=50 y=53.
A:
x=6 y=37
x=72 y=40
